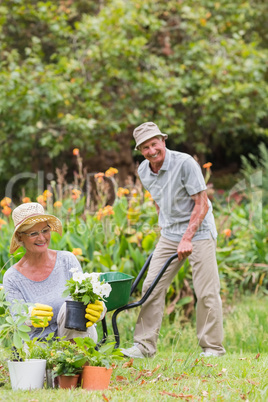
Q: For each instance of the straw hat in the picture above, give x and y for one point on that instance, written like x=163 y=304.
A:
x=31 y=213
x=146 y=131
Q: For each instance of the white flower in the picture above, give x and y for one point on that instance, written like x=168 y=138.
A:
x=106 y=289
x=78 y=277
x=86 y=275
x=73 y=270
x=94 y=277
x=97 y=288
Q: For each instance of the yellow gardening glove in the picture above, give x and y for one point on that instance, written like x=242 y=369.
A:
x=93 y=312
x=43 y=313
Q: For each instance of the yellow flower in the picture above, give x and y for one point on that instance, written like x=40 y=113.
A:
x=122 y=191
x=5 y=202
x=77 y=251
x=57 y=204
x=111 y=172
x=134 y=193
x=25 y=200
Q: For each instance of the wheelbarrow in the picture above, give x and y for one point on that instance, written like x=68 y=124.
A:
x=122 y=290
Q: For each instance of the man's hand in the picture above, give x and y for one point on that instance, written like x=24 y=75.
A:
x=184 y=249
x=93 y=312
x=41 y=314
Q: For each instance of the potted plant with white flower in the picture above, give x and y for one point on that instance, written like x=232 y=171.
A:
x=83 y=288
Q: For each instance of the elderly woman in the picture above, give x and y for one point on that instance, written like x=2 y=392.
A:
x=39 y=277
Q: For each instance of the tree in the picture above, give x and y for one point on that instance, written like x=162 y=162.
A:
x=84 y=74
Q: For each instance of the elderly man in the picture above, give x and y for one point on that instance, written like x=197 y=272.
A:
x=176 y=183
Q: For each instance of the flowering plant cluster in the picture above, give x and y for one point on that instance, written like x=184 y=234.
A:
x=85 y=287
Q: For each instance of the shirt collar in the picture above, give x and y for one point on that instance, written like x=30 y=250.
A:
x=166 y=162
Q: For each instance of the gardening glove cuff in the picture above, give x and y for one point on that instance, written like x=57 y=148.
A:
x=95 y=312
x=40 y=315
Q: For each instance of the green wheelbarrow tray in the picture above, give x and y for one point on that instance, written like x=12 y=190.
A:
x=121 y=287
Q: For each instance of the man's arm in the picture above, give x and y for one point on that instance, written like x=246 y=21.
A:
x=199 y=212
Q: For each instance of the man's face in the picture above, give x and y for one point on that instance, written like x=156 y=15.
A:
x=154 y=150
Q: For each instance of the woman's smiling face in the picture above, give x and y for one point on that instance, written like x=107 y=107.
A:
x=38 y=243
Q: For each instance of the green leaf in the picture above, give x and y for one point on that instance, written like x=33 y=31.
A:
x=17 y=340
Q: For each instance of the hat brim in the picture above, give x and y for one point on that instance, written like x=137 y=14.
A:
x=147 y=137
x=54 y=223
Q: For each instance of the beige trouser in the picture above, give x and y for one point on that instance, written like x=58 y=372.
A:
x=207 y=289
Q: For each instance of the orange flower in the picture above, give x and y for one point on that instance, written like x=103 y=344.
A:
x=6 y=210
x=5 y=202
x=106 y=211
x=227 y=232
x=148 y=196
x=47 y=194
x=111 y=172
x=26 y=199
x=76 y=151
x=99 y=177
x=2 y=222
x=76 y=194
x=41 y=200
x=100 y=214
x=77 y=251
x=57 y=204
x=122 y=191
x=207 y=165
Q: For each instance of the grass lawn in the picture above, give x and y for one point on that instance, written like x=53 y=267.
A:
x=177 y=371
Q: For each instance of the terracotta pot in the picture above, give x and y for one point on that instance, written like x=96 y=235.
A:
x=68 y=381
x=96 y=378
x=75 y=315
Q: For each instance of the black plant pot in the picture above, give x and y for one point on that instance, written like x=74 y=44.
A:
x=75 y=315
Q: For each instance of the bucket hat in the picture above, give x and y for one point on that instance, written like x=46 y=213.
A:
x=31 y=213
x=146 y=131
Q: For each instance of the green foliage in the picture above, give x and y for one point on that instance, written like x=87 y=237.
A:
x=65 y=357
x=13 y=331
x=103 y=356
x=84 y=75
x=255 y=172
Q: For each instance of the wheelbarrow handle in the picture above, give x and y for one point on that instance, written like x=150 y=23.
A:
x=145 y=296
x=141 y=273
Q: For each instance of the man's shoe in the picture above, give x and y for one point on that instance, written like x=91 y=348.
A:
x=210 y=354
x=134 y=352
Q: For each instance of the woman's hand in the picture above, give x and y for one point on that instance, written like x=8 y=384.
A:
x=93 y=312
x=41 y=314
